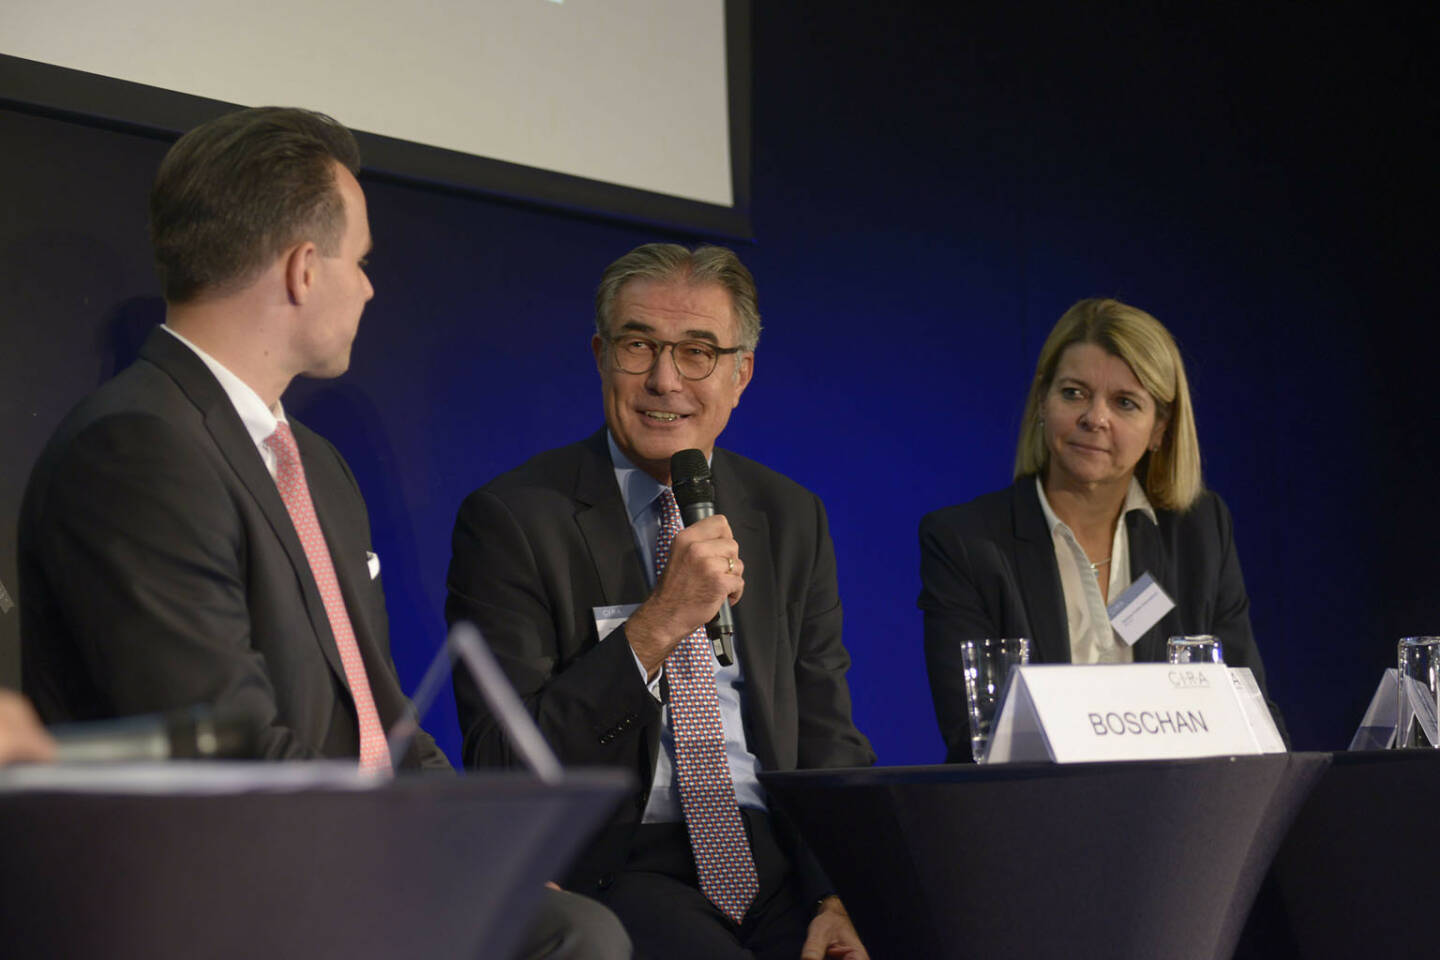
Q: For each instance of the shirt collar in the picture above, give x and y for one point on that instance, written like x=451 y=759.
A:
x=259 y=420
x=637 y=488
x=1135 y=499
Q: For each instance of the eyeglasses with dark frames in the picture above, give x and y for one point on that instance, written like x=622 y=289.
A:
x=693 y=359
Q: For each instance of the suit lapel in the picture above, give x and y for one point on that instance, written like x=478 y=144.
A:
x=605 y=527
x=757 y=615
x=238 y=448
x=1044 y=602
x=1148 y=555
x=610 y=542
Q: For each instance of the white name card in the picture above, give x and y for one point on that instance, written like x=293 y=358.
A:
x=1257 y=711
x=1072 y=713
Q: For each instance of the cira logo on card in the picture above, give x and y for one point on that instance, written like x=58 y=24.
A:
x=1186 y=679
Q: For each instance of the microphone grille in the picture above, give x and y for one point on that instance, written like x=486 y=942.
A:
x=687 y=465
x=690 y=478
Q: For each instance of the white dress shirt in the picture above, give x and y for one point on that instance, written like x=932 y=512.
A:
x=1092 y=639
x=259 y=419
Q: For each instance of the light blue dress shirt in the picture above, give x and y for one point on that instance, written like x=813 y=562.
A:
x=641 y=493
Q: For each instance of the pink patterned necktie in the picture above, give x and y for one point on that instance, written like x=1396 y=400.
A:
x=707 y=794
x=290 y=478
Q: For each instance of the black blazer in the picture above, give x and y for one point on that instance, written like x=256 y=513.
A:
x=538 y=548
x=988 y=569
x=160 y=569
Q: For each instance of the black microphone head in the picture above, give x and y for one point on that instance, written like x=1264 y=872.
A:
x=690 y=478
x=686 y=465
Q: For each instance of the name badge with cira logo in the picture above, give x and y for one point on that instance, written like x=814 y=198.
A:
x=608 y=619
x=1136 y=711
x=1139 y=608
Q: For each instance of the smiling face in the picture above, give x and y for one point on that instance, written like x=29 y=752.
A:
x=653 y=415
x=1099 y=420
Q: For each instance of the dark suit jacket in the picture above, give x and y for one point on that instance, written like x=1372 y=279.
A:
x=538 y=548
x=160 y=569
x=988 y=569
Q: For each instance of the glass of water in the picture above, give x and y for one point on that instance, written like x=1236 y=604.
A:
x=987 y=665
x=1419 y=660
x=1201 y=648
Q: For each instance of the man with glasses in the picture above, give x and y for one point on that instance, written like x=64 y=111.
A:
x=595 y=601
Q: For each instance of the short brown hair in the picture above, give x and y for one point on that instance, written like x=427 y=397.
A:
x=671 y=262
x=236 y=191
x=1172 y=477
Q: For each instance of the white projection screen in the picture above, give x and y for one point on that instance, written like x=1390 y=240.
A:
x=638 y=109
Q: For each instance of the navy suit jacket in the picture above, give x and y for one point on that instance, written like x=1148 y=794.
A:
x=537 y=549
x=160 y=569
x=988 y=569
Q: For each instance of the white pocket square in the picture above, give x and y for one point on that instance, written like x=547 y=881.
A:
x=372 y=560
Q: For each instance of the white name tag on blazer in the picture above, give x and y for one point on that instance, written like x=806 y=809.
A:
x=1139 y=608
x=608 y=619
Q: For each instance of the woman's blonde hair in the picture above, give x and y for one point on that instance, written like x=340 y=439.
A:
x=1171 y=475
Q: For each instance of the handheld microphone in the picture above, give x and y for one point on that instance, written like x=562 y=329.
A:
x=193 y=734
x=694 y=489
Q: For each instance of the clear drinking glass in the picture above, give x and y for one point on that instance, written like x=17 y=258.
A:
x=1201 y=648
x=1419 y=660
x=987 y=665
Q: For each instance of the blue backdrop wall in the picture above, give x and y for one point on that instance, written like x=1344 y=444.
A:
x=933 y=186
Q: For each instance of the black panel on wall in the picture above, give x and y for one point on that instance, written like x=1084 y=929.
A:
x=931 y=191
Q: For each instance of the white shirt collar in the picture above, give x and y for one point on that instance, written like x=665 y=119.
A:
x=259 y=420
x=1135 y=499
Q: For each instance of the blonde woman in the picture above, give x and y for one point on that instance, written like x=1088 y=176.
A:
x=1107 y=488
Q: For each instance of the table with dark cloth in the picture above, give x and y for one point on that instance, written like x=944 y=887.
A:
x=1105 y=860
x=422 y=867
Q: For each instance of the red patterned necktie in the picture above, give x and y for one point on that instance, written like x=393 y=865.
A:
x=707 y=794
x=290 y=478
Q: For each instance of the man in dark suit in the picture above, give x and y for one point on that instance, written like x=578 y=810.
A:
x=572 y=566
x=181 y=540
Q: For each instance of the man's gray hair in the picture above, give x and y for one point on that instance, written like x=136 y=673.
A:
x=666 y=262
